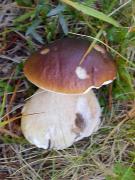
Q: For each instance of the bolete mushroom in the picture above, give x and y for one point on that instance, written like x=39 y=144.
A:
x=65 y=109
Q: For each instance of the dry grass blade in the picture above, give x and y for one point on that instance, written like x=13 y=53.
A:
x=130 y=115
x=7 y=132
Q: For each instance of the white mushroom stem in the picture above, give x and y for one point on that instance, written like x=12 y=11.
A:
x=51 y=120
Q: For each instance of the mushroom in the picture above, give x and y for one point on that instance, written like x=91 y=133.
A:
x=65 y=109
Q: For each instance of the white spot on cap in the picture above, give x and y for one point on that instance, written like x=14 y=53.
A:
x=44 y=51
x=81 y=73
x=99 y=48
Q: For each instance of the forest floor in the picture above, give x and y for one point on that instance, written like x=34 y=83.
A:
x=25 y=25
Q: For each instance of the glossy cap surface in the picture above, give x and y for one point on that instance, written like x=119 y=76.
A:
x=56 y=67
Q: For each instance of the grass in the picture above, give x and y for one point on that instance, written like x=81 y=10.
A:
x=24 y=27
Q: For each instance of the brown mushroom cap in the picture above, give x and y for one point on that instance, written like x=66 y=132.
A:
x=56 y=67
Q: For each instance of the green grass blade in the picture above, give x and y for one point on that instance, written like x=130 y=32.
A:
x=92 y=12
x=3 y=105
x=24 y=17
